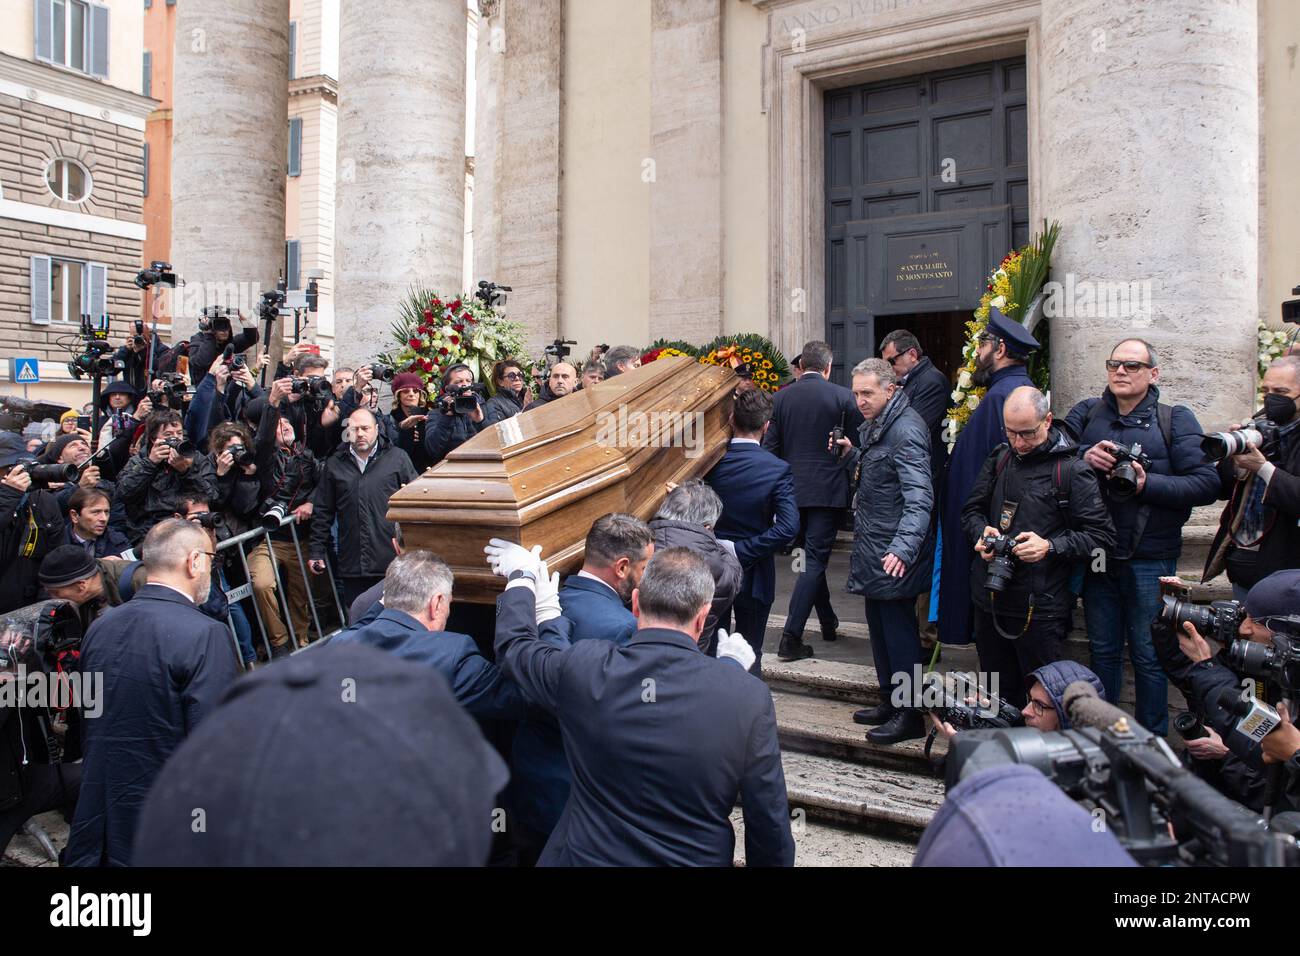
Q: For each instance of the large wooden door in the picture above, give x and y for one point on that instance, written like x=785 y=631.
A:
x=926 y=189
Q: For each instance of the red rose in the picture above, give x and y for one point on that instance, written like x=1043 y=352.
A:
x=442 y=351
x=459 y=327
x=428 y=366
x=455 y=340
x=455 y=306
x=428 y=315
x=413 y=343
x=468 y=318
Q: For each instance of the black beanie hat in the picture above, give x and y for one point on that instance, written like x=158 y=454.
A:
x=342 y=755
x=66 y=564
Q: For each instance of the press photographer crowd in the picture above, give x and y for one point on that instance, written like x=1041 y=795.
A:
x=210 y=540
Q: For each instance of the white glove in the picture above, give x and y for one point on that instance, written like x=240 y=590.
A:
x=506 y=557
x=735 y=647
x=547 y=595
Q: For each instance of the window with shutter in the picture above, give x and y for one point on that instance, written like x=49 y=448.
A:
x=146 y=81
x=293 y=264
x=98 y=42
x=293 y=49
x=40 y=290
x=295 y=147
x=44 y=15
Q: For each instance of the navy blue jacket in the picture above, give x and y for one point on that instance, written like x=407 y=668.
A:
x=803 y=414
x=661 y=740
x=541 y=771
x=108 y=545
x=1175 y=484
x=759 y=514
x=477 y=683
x=165 y=666
x=975 y=443
x=930 y=394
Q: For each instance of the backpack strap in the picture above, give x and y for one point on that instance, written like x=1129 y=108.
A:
x=125 y=584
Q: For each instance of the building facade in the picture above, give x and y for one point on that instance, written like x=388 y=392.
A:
x=72 y=125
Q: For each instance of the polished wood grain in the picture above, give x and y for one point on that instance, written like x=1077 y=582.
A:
x=545 y=475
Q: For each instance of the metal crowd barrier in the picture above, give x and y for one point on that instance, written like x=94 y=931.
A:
x=259 y=535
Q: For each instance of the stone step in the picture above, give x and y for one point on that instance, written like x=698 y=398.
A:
x=874 y=799
x=815 y=725
x=833 y=680
x=827 y=844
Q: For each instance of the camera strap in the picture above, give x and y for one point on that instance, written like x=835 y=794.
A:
x=1165 y=422
x=33 y=530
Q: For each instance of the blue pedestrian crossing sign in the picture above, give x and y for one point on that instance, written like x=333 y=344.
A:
x=24 y=371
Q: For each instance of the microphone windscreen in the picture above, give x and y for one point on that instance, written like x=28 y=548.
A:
x=1086 y=709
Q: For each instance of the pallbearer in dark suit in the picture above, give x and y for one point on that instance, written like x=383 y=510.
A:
x=804 y=414
x=759 y=514
x=662 y=740
x=1003 y=350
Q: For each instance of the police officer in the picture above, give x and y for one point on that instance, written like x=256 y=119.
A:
x=1035 y=492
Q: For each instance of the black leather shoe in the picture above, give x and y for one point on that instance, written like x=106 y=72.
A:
x=793 y=649
x=904 y=725
x=831 y=633
x=870 y=716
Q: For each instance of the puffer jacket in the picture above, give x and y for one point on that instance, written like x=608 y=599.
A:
x=723 y=565
x=360 y=502
x=895 y=498
x=152 y=492
x=1077 y=531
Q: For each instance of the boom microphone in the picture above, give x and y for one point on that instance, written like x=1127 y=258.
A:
x=1086 y=709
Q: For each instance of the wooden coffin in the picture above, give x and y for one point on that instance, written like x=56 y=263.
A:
x=545 y=475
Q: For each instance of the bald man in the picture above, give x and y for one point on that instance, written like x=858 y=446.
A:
x=355 y=485
x=562 y=380
x=1034 y=514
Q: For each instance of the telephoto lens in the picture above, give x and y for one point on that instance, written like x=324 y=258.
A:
x=274 y=517
x=183 y=446
x=1190 y=726
x=381 y=373
x=45 y=475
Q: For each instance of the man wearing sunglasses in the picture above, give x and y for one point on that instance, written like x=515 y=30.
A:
x=1121 y=596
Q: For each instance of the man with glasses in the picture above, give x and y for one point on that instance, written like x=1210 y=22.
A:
x=1038 y=494
x=1045 y=709
x=164 y=665
x=1000 y=367
x=1122 y=595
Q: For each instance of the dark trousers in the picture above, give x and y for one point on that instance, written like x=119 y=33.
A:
x=1013 y=660
x=819 y=527
x=43 y=790
x=895 y=643
x=353 y=588
x=751 y=621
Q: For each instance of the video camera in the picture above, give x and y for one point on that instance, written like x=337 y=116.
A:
x=491 y=294
x=1003 y=566
x=966 y=705
x=1261 y=433
x=1123 y=481
x=1219 y=619
x=216 y=318
x=1160 y=812
x=158 y=273
x=270 y=305
x=96 y=358
x=461 y=399
x=559 y=350
x=45 y=475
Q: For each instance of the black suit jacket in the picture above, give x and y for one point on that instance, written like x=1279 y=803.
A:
x=930 y=394
x=803 y=415
x=660 y=739
x=759 y=514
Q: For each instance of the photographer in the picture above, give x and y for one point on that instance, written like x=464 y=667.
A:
x=134 y=355
x=289 y=473
x=512 y=395
x=1045 y=690
x=167 y=466
x=120 y=410
x=453 y=422
x=1202 y=674
x=220 y=397
x=311 y=408
x=1259 y=532
x=410 y=410
x=1034 y=511
x=214 y=334
x=31 y=525
x=1149 y=496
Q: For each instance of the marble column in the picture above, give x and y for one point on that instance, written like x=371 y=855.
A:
x=1149 y=135
x=229 y=154
x=400 y=195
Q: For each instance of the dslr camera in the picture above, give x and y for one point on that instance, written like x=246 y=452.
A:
x=316 y=389
x=1123 y=481
x=1261 y=433
x=45 y=475
x=381 y=373
x=1277 y=663
x=158 y=273
x=1219 y=619
x=1003 y=566
x=460 y=399
x=240 y=454
x=173 y=392
x=182 y=446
